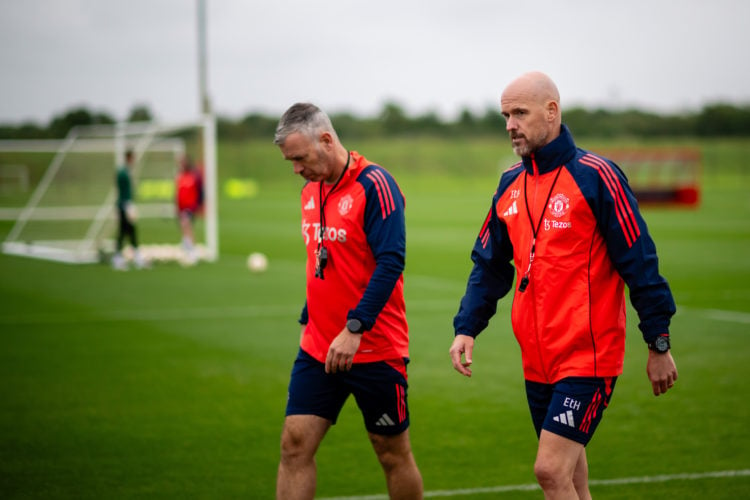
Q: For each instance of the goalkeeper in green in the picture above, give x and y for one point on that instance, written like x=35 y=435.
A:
x=126 y=212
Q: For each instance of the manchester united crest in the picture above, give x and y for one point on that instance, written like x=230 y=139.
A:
x=559 y=205
x=345 y=204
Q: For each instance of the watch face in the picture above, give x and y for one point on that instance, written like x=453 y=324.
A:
x=354 y=325
x=661 y=344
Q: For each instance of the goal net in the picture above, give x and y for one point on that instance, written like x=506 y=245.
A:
x=70 y=215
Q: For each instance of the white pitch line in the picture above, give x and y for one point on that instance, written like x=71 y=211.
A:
x=197 y=313
x=593 y=482
x=200 y=313
x=731 y=316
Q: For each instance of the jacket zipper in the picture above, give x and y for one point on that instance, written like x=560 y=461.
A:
x=533 y=295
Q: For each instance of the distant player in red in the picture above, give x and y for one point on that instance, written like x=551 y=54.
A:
x=354 y=331
x=189 y=198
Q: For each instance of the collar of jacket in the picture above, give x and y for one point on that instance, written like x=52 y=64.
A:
x=556 y=153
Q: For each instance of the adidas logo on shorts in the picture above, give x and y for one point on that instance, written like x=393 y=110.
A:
x=565 y=418
x=385 y=421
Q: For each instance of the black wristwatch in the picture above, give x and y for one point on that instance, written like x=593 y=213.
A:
x=355 y=326
x=660 y=344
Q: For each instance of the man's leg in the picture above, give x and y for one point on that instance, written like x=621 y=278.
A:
x=581 y=477
x=300 y=439
x=121 y=229
x=565 y=416
x=401 y=472
x=118 y=260
x=561 y=467
x=132 y=234
x=186 y=226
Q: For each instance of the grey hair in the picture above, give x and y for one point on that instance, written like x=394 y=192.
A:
x=304 y=118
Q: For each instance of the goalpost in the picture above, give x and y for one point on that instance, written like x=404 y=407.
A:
x=70 y=215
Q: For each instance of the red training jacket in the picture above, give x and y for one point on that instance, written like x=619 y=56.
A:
x=590 y=242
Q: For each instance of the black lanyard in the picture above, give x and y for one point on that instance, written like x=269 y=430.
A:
x=321 y=253
x=535 y=230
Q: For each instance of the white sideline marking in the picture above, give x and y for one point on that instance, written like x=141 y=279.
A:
x=593 y=482
x=278 y=310
x=197 y=313
x=731 y=316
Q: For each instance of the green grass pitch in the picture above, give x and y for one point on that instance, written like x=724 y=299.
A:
x=171 y=382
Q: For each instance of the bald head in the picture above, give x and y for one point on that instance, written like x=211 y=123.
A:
x=531 y=107
x=536 y=85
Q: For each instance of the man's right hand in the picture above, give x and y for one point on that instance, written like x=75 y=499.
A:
x=131 y=212
x=463 y=345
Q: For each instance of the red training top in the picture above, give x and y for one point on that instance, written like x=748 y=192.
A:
x=365 y=238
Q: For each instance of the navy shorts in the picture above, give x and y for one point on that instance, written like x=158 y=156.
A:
x=572 y=407
x=379 y=389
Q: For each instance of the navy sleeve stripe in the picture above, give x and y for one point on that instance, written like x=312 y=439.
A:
x=385 y=196
x=624 y=210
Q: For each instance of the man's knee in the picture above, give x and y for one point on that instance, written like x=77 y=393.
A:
x=392 y=451
x=292 y=446
x=300 y=438
x=551 y=474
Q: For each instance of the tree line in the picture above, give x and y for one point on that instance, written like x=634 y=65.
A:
x=713 y=120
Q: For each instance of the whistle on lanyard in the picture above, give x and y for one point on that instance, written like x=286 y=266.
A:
x=524 y=283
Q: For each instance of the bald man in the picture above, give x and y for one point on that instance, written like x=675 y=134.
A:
x=565 y=224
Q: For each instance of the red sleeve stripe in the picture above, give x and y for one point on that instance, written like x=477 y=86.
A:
x=622 y=206
x=386 y=189
x=484 y=233
x=385 y=196
x=631 y=225
x=383 y=205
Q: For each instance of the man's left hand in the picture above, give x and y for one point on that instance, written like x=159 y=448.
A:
x=662 y=371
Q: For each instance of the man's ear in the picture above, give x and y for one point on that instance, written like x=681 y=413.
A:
x=553 y=110
x=326 y=140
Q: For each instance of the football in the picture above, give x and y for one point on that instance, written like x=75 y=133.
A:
x=257 y=262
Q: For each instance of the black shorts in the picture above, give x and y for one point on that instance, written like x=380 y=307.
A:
x=572 y=407
x=379 y=389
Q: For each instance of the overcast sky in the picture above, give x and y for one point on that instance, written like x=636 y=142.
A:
x=436 y=55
